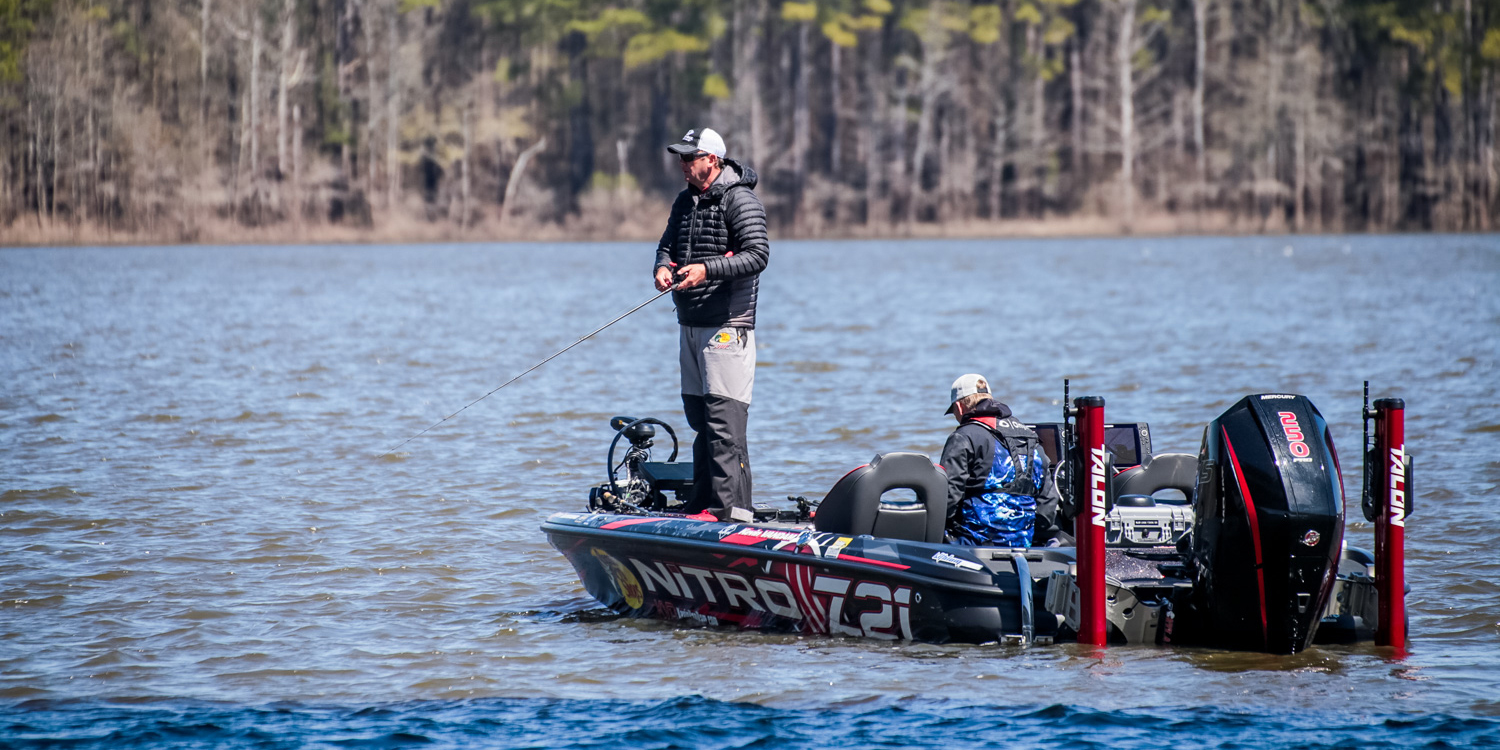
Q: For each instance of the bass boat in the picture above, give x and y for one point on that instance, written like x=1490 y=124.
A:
x=1240 y=546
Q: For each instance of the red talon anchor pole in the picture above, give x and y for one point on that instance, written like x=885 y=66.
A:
x=1093 y=478
x=1390 y=485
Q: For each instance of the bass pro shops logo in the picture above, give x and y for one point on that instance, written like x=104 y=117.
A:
x=724 y=339
x=625 y=582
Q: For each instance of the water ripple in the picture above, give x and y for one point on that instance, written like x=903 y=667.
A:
x=197 y=503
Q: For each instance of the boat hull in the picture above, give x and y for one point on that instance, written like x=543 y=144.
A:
x=797 y=580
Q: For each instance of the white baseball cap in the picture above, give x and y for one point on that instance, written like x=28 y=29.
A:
x=699 y=142
x=966 y=385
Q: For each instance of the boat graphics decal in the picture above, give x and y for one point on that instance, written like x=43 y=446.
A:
x=837 y=547
x=956 y=561
x=801 y=598
x=752 y=535
x=625 y=582
x=628 y=522
x=1397 y=490
x=1260 y=568
x=813 y=583
x=1296 y=443
x=801 y=579
x=770 y=595
x=1097 y=484
x=804 y=542
x=873 y=561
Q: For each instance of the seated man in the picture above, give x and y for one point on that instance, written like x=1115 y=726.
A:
x=1000 y=487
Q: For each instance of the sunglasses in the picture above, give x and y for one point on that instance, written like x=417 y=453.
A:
x=690 y=158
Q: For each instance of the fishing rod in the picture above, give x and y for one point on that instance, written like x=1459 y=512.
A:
x=559 y=353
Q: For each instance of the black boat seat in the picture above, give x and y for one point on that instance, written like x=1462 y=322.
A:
x=854 y=506
x=1165 y=471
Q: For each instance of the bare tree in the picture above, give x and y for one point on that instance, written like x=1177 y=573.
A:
x=392 y=105
x=517 y=172
x=288 y=77
x=1124 y=52
x=931 y=85
x=1200 y=66
x=748 y=18
x=298 y=206
x=798 y=68
x=466 y=181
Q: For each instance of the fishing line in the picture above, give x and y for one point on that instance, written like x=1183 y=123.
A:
x=559 y=353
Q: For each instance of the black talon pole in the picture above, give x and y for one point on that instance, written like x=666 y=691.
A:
x=559 y=353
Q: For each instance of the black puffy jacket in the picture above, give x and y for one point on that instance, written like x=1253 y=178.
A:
x=724 y=228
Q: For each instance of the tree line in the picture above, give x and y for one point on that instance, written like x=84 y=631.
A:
x=176 y=118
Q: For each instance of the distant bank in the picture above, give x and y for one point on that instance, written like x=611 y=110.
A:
x=642 y=223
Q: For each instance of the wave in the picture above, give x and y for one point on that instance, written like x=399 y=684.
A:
x=694 y=721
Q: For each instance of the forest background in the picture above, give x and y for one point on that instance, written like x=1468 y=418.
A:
x=297 y=120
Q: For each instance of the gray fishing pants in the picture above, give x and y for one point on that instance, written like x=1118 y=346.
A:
x=718 y=374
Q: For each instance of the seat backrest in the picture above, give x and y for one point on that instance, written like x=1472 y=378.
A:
x=1174 y=471
x=854 y=504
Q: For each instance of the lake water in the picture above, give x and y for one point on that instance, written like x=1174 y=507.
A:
x=201 y=544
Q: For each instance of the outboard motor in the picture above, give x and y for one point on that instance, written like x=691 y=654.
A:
x=1269 y=523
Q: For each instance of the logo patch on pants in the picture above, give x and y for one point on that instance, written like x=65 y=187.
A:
x=723 y=339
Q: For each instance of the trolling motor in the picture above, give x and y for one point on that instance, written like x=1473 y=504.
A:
x=637 y=485
x=1386 y=499
x=639 y=488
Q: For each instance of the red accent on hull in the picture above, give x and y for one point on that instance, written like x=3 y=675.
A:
x=744 y=539
x=814 y=615
x=851 y=471
x=1260 y=571
x=897 y=566
x=627 y=522
x=1337 y=467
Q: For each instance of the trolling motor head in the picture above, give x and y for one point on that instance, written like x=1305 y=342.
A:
x=638 y=431
x=1269 y=524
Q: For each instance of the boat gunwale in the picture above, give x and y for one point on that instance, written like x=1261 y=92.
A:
x=995 y=590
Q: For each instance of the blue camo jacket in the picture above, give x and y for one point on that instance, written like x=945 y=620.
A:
x=997 y=473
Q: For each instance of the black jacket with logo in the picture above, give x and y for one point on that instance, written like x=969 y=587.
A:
x=724 y=228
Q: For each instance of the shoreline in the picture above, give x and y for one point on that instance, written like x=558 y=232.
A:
x=638 y=226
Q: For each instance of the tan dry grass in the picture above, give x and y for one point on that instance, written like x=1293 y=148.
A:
x=639 y=220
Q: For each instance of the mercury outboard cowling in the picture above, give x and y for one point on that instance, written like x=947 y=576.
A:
x=1268 y=529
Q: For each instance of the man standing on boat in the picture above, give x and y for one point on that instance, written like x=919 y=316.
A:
x=714 y=249
x=1000 y=487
